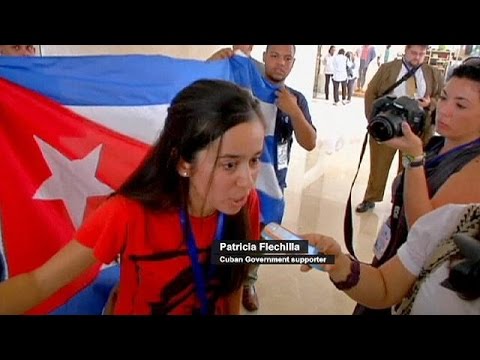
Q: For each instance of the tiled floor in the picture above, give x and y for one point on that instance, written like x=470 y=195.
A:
x=318 y=187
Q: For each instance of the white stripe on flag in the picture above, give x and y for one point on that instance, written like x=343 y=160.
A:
x=270 y=113
x=266 y=181
x=142 y=123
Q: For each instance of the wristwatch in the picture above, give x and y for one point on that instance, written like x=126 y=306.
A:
x=409 y=161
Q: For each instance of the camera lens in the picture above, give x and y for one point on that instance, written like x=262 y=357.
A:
x=381 y=129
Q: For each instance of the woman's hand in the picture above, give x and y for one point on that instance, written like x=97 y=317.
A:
x=327 y=246
x=409 y=143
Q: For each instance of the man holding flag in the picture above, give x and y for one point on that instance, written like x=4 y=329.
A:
x=292 y=117
x=60 y=158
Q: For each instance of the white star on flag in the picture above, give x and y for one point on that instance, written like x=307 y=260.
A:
x=72 y=181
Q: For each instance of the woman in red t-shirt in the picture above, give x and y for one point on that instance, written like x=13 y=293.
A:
x=196 y=185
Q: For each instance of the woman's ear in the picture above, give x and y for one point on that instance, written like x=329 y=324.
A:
x=184 y=168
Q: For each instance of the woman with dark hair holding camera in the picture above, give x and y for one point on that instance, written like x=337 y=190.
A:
x=421 y=82
x=196 y=186
x=448 y=172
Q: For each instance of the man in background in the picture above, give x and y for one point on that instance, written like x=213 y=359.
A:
x=328 y=64
x=367 y=54
x=293 y=117
x=425 y=86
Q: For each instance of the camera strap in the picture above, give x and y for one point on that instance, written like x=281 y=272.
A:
x=348 y=222
x=408 y=74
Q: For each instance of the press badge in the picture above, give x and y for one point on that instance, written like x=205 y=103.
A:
x=383 y=239
x=282 y=155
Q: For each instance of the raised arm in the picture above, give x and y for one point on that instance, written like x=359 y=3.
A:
x=373 y=91
x=461 y=188
x=221 y=54
x=298 y=111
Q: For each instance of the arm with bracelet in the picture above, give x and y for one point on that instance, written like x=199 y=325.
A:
x=416 y=197
x=459 y=188
x=378 y=288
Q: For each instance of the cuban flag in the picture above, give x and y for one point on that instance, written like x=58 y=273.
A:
x=71 y=131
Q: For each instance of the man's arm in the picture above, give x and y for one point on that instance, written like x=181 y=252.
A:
x=298 y=111
x=373 y=91
x=221 y=54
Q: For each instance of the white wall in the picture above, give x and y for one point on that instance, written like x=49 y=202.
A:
x=303 y=73
x=200 y=52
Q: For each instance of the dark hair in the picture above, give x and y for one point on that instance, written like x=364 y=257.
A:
x=472 y=60
x=341 y=52
x=294 y=49
x=468 y=71
x=198 y=115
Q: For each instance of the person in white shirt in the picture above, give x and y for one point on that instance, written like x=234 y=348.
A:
x=328 y=64
x=339 y=63
x=429 y=249
x=353 y=67
x=389 y=55
x=446 y=172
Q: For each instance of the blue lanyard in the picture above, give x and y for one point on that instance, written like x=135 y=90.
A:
x=431 y=163
x=201 y=280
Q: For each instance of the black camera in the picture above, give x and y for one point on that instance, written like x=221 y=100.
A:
x=388 y=114
x=464 y=277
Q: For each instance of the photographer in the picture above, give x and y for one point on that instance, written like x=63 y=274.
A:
x=447 y=173
x=425 y=85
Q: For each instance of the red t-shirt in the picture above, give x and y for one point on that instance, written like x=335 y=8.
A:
x=156 y=273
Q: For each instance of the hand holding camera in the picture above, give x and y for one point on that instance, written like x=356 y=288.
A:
x=425 y=102
x=409 y=143
x=389 y=112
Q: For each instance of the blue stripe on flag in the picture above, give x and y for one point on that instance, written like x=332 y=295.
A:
x=275 y=208
x=92 y=299
x=103 y=80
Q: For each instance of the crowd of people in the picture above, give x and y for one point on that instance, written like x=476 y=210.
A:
x=197 y=185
